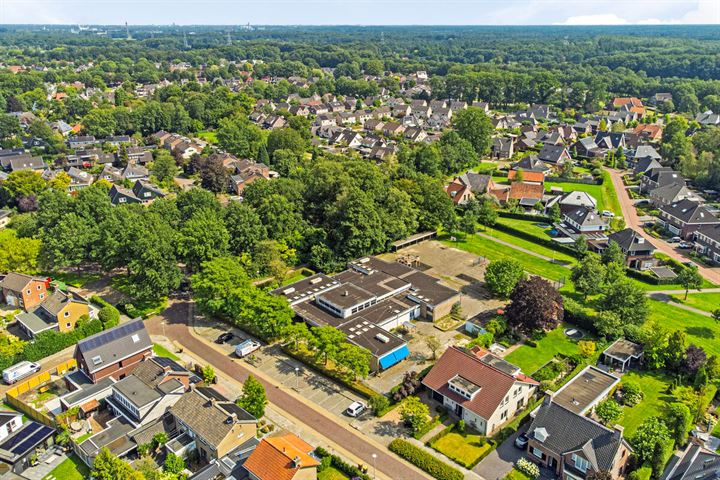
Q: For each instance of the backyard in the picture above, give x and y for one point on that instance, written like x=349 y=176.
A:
x=701 y=330
x=161 y=351
x=331 y=473
x=71 y=469
x=654 y=386
x=529 y=359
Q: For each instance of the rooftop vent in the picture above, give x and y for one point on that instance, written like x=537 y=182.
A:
x=288 y=291
x=316 y=280
x=382 y=338
x=345 y=293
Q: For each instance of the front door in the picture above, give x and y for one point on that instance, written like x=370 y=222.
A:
x=459 y=410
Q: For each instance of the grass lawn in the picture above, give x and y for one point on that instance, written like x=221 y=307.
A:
x=210 y=137
x=529 y=359
x=298 y=275
x=84 y=437
x=463 y=449
x=701 y=330
x=654 y=386
x=331 y=473
x=516 y=474
x=708 y=302
x=494 y=251
x=604 y=194
x=141 y=308
x=71 y=469
x=529 y=227
x=74 y=279
x=161 y=351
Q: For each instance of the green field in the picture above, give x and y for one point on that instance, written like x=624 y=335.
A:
x=529 y=359
x=530 y=227
x=708 y=302
x=71 y=469
x=493 y=251
x=654 y=387
x=210 y=137
x=701 y=330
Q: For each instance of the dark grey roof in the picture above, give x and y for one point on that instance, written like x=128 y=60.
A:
x=531 y=163
x=569 y=432
x=136 y=391
x=690 y=212
x=16 y=281
x=7 y=415
x=551 y=153
x=645 y=164
x=587 y=217
x=695 y=463
x=25 y=440
x=88 y=391
x=477 y=182
x=647 y=152
x=710 y=231
x=631 y=241
x=670 y=192
x=115 y=344
x=59 y=300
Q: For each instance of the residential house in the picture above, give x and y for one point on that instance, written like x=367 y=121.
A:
x=79 y=179
x=460 y=193
x=670 y=193
x=214 y=425
x=587 y=148
x=477 y=183
x=554 y=154
x=282 y=457
x=246 y=172
x=658 y=177
x=573 y=446
x=60 y=311
x=572 y=201
x=119 y=195
x=649 y=131
x=118 y=140
x=661 y=98
x=527 y=194
x=685 y=217
x=480 y=388
x=708 y=118
x=643 y=152
x=531 y=163
x=19 y=448
x=23 y=291
x=537 y=178
x=610 y=140
x=146 y=192
x=142 y=399
x=707 y=242
x=81 y=141
x=502 y=147
x=644 y=165
x=16 y=163
x=10 y=421
x=695 y=462
x=639 y=252
x=114 y=352
x=584 y=221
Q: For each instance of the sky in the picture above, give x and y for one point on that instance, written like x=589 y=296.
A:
x=361 y=12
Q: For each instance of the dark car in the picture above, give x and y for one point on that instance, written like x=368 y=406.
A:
x=521 y=441
x=224 y=338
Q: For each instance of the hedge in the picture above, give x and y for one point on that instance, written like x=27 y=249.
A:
x=585 y=181
x=350 y=470
x=525 y=216
x=642 y=473
x=100 y=302
x=424 y=461
x=547 y=242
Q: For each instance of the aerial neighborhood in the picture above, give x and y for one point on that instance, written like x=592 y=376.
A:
x=290 y=253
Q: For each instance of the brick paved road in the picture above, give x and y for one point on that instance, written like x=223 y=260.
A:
x=177 y=330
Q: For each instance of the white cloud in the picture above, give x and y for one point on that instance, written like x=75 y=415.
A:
x=602 y=19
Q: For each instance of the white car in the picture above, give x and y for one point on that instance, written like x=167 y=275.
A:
x=607 y=213
x=355 y=409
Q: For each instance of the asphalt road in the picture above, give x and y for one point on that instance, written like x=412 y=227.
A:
x=176 y=329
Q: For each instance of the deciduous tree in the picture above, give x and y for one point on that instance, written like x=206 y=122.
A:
x=535 y=305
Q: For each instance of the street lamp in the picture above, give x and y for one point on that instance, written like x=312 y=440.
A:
x=297 y=378
x=374 y=457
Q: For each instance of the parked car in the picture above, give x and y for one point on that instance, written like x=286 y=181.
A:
x=245 y=348
x=521 y=441
x=674 y=240
x=355 y=409
x=19 y=371
x=224 y=338
x=607 y=213
x=685 y=245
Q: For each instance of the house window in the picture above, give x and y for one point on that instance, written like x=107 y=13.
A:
x=68 y=325
x=42 y=295
x=580 y=463
x=66 y=314
x=504 y=415
x=39 y=287
x=538 y=453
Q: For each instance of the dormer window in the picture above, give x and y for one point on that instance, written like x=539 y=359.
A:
x=541 y=434
x=463 y=387
x=97 y=360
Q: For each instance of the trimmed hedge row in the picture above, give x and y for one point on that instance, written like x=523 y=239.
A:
x=584 y=181
x=350 y=470
x=424 y=461
x=546 y=242
x=525 y=216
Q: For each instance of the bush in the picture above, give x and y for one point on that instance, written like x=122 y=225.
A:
x=109 y=316
x=528 y=468
x=424 y=461
x=642 y=473
x=337 y=462
x=409 y=386
x=461 y=426
x=608 y=411
x=379 y=404
x=632 y=394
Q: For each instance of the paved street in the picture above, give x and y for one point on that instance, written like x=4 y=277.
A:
x=176 y=329
x=632 y=220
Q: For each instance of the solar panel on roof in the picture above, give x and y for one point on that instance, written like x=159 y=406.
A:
x=23 y=434
x=32 y=440
x=111 y=335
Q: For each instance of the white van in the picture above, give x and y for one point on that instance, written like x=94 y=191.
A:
x=19 y=371
x=245 y=348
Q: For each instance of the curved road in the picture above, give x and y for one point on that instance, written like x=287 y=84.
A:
x=633 y=221
x=176 y=329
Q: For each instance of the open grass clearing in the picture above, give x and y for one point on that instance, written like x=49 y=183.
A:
x=529 y=359
x=708 y=302
x=331 y=473
x=654 y=386
x=701 y=330
x=161 y=351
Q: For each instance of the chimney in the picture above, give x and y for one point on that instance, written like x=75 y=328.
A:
x=296 y=462
x=618 y=431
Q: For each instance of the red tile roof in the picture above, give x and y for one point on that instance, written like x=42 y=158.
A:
x=494 y=384
x=274 y=458
x=621 y=101
x=528 y=176
x=649 y=130
x=521 y=190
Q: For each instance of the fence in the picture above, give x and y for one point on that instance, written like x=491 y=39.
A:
x=12 y=397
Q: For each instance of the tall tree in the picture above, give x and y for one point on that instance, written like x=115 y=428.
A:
x=535 y=305
x=690 y=278
x=475 y=126
x=588 y=275
x=502 y=276
x=253 y=398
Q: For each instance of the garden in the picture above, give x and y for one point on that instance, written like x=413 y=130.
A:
x=71 y=468
x=461 y=446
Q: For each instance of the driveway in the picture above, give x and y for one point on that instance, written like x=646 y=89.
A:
x=633 y=220
x=496 y=465
x=176 y=318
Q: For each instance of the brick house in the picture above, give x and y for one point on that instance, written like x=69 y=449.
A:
x=115 y=352
x=23 y=291
x=685 y=217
